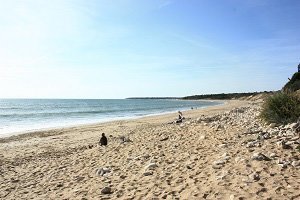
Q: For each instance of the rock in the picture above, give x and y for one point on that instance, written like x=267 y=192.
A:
x=295 y=138
x=151 y=166
x=272 y=125
x=225 y=155
x=205 y=195
x=251 y=144
x=138 y=158
x=124 y=139
x=123 y=176
x=273 y=155
x=296 y=163
x=148 y=173
x=102 y=171
x=106 y=190
x=290 y=142
x=164 y=139
x=293 y=125
x=202 y=137
x=264 y=136
x=254 y=176
x=283 y=163
x=217 y=166
x=260 y=157
x=223 y=145
x=261 y=190
x=59 y=185
x=286 y=146
x=219 y=162
x=226 y=158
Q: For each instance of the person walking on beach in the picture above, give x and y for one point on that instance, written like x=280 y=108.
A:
x=103 y=140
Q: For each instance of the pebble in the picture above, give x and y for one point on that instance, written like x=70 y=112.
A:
x=102 y=171
x=273 y=155
x=217 y=166
x=295 y=163
x=251 y=144
x=223 y=145
x=254 y=176
x=260 y=157
x=148 y=173
x=219 y=162
x=151 y=166
x=202 y=137
x=106 y=190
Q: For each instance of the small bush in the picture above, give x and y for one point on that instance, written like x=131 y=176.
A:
x=281 y=108
x=293 y=84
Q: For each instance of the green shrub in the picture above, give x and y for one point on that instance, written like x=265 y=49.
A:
x=293 y=84
x=281 y=108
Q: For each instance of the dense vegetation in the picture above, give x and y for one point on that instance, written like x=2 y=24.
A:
x=293 y=84
x=281 y=108
x=222 y=96
x=284 y=107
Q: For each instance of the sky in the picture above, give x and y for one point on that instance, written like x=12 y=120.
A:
x=141 y=48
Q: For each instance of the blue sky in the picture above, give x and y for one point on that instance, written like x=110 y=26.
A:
x=125 y=48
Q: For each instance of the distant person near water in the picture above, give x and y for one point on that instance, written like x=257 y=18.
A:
x=103 y=140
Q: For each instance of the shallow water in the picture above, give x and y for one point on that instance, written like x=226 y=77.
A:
x=18 y=115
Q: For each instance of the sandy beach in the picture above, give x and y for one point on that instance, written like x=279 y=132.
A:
x=220 y=152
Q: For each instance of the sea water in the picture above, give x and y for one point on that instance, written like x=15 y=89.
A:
x=19 y=115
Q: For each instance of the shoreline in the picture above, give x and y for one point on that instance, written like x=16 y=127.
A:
x=111 y=120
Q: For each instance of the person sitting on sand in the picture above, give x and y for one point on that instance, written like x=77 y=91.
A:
x=180 y=118
x=103 y=140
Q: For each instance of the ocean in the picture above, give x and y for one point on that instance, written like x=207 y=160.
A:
x=22 y=115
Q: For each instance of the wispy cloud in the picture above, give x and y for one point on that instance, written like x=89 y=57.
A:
x=165 y=3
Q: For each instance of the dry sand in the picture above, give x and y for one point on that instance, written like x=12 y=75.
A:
x=208 y=156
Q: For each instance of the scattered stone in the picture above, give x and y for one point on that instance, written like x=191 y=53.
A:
x=217 y=166
x=295 y=163
x=283 y=163
x=219 y=162
x=223 y=145
x=151 y=166
x=251 y=144
x=123 y=176
x=261 y=190
x=106 y=190
x=202 y=137
x=149 y=173
x=273 y=155
x=254 y=176
x=205 y=195
x=102 y=171
x=286 y=146
x=124 y=139
x=164 y=139
x=260 y=157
